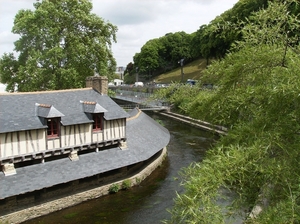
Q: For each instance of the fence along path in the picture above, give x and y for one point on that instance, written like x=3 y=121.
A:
x=144 y=102
x=141 y=100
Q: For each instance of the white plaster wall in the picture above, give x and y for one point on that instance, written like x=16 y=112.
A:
x=76 y=135
x=23 y=142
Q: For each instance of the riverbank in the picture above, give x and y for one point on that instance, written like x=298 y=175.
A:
x=56 y=205
x=59 y=204
x=150 y=201
x=203 y=125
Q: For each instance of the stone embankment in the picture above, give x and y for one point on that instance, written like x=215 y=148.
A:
x=59 y=204
x=196 y=123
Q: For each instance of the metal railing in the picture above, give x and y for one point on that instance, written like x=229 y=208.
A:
x=142 y=100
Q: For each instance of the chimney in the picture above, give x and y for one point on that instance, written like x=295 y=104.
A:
x=99 y=83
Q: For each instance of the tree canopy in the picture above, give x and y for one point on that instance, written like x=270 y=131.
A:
x=61 y=43
x=210 y=41
x=256 y=97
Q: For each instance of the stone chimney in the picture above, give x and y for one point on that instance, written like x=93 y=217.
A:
x=99 y=83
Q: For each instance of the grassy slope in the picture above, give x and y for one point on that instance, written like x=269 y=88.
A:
x=193 y=70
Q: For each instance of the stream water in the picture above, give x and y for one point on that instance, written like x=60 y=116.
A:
x=148 y=202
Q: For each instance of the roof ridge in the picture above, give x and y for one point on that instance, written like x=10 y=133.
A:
x=46 y=91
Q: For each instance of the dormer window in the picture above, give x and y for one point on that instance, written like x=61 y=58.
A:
x=96 y=112
x=53 y=127
x=50 y=116
x=98 y=122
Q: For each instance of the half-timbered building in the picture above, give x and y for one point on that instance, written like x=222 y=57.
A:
x=54 y=142
x=39 y=126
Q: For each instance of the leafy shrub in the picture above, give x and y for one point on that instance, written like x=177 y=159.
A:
x=138 y=180
x=126 y=184
x=114 y=188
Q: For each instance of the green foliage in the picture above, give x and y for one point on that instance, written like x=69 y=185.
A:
x=176 y=46
x=138 y=180
x=114 y=188
x=148 y=58
x=163 y=53
x=9 y=68
x=70 y=215
x=111 y=93
x=193 y=70
x=126 y=184
x=6 y=222
x=286 y=211
x=61 y=43
x=129 y=79
x=210 y=41
x=257 y=98
x=179 y=95
x=160 y=122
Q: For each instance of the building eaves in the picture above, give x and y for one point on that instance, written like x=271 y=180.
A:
x=145 y=137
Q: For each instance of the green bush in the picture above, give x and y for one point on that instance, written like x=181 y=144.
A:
x=138 y=180
x=126 y=184
x=114 y=188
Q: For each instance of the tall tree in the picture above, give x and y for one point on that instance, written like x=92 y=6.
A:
x=61 y=43
x=149 y=59
x=176 y=46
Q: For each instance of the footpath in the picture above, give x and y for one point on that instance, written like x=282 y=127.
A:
x=196 y=123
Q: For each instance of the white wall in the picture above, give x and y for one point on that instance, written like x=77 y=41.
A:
x=2 y=88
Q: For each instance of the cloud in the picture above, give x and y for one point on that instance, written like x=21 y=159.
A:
x=170 y=16
x=123 y=12
x=6 y=41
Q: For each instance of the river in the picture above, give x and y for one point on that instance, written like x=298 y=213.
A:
x=148 y=202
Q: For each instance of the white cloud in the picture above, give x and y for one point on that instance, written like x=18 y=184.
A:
x=7 y=40
x=137 y=20
x=124 y=12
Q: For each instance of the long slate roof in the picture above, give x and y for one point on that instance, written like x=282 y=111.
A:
x=19 y=111
x=145 y=137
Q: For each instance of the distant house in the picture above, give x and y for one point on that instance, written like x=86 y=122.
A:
x=2 y=88
x=54 y=141
x=120 y=71
x=116 y=82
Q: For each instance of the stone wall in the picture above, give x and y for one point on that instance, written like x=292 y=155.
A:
x=71 y=200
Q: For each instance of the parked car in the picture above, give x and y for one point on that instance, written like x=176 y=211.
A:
x=138 y=84
x=191 y=82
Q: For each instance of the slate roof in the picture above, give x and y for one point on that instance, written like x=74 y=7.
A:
x=47 y=111
x=18 y=111
x=93 y=107
x=145 y=137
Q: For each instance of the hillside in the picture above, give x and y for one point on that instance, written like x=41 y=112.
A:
x=192 y=70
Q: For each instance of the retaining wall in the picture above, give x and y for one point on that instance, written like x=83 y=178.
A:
x=61 y=203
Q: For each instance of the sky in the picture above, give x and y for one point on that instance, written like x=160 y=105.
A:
x=137 y=20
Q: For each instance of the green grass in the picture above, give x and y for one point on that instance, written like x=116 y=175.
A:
x=193 y=70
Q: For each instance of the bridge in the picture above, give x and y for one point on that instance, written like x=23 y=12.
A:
x=129 y=99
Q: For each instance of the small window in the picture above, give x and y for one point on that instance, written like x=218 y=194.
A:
x=97 y=125
x=53 y=127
